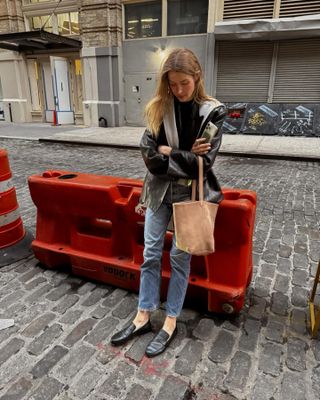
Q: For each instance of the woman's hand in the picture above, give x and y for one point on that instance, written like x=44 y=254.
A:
x=166 y=150
x=200 y=147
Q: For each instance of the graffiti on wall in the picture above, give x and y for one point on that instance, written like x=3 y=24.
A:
x=273 y=119
x=234 y=119
x=296 y=120
x=261 y=119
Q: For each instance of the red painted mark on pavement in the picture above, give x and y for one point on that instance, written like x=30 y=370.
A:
x=101 y=346
x=154 y=367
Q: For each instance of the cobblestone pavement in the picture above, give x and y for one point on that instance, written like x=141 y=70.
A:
x=58 y=347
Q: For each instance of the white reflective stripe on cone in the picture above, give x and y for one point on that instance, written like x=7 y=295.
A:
x=5 y=185
x=10 y=217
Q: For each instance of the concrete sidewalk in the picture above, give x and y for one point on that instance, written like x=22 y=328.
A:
x=298 y=148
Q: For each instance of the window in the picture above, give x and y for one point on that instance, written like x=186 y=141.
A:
x=187 y=16
x=143 y=20
x=43 y=21
x=68 y=23
x=74 y=23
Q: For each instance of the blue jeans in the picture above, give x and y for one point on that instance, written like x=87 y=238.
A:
x=150 y=280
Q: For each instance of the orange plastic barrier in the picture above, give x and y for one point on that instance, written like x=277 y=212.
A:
x=11 y=227
x=89 y=222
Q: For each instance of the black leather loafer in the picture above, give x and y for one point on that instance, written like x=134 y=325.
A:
x=160 y=342
x=129 y=332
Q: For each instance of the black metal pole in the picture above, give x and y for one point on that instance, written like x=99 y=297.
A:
x=10 y=112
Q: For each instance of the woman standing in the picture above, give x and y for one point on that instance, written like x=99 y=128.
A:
x=176 y=118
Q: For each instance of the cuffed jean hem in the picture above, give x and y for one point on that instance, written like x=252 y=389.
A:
x=145 y=309
x=172 y=316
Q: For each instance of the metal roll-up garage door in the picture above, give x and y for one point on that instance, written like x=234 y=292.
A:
x=243 y=71
x=297 y=76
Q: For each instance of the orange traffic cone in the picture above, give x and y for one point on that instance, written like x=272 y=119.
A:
x=14 y=240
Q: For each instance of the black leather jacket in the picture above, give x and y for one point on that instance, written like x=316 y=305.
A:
x=180 y=164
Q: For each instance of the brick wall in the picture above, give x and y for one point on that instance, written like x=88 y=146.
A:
x=11 y=18
x=101 y=23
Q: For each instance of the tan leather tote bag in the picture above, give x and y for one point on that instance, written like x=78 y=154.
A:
x=194 y=221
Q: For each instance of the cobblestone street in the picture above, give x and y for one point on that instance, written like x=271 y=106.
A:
x=59 y=346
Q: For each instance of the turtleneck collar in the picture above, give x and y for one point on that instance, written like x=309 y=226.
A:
x=185 y=104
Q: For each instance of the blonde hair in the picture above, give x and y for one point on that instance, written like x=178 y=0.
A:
x=178 y=60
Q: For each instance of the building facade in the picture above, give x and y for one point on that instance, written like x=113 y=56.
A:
x=259 y=56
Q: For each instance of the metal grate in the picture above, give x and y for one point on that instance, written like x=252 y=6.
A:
x=243 y=71
x=295 y=8
x=297 y=72
x=248 y=9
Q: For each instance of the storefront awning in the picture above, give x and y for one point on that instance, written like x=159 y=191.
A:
x=35 y=41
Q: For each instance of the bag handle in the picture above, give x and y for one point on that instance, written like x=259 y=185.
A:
x=200 y=179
